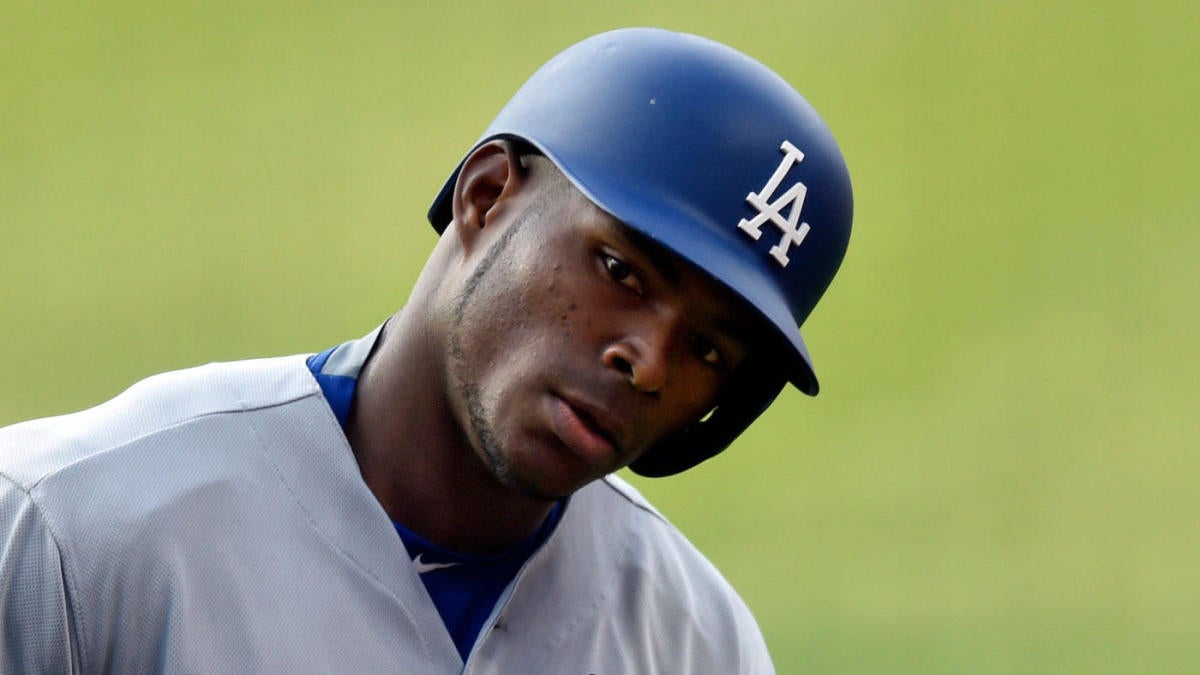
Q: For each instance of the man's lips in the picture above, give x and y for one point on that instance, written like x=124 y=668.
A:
x=580 y=428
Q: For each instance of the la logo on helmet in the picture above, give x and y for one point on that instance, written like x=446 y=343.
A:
x=772 y=211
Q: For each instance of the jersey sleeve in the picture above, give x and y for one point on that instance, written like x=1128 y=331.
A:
x=34 y=607
x=753 y=656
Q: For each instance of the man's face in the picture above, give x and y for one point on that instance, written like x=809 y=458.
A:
x=577 y=344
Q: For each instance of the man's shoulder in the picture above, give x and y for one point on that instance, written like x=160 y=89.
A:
x=166 y=403
x=617 y=490
x=652 y=541
x=634 y=574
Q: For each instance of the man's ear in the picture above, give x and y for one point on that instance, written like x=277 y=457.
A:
x=491 y=174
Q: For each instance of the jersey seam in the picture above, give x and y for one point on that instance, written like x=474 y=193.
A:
x=68 y=568
x=262 y=446
x=636 y=503
x=104 y=450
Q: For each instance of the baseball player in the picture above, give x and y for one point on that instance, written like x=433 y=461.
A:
x=624 y=262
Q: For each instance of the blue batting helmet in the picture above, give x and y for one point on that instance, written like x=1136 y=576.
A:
x=713 y=156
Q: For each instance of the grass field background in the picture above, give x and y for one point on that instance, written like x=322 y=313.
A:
x=1001 y=473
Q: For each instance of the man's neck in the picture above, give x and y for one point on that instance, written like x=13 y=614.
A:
x=416 y=459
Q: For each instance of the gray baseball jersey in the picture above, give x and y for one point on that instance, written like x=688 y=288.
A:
x=214 y=520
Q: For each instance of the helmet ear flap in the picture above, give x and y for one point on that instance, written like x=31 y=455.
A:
x=744 y=399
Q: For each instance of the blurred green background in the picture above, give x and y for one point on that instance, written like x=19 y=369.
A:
x=1000 y=475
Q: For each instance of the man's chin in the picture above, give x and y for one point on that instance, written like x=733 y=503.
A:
x=538 y=494
x=522 y=482
x=542 y=488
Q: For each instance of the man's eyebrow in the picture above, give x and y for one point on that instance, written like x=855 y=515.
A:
x=663 y=260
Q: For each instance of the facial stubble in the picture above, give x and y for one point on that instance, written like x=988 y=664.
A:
x=480 y=425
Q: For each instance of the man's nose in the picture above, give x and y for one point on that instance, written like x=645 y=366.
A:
x=645 y=355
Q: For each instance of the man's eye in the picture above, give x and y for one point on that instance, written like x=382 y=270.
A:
x=707 y=352
x=621 y=272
